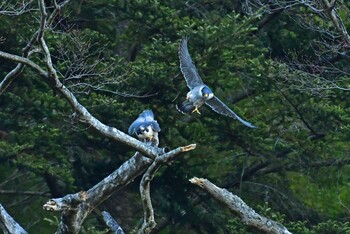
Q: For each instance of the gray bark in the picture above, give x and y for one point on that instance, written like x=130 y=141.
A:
x=247 y=215
x=112 y=224
x=8 y=225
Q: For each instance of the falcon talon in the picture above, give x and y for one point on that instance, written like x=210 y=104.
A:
x=196 y=110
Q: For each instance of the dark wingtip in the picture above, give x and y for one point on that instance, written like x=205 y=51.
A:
x=179 y=109
x=185 y=107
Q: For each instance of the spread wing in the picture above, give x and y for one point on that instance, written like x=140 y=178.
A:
x=218 y=106
x=188 y=69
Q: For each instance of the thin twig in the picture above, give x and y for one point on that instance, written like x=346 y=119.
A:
x=30 y=193
x=27 y=51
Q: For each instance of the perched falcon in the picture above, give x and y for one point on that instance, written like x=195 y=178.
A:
x=200 y=93
x=145 y=127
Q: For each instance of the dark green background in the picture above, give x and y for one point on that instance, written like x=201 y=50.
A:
x=293 y=168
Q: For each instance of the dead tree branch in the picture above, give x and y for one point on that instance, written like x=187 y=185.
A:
x=8 y=225
x=247 y=215
x=111 y=223
x=83 y=114
x=148 y=220
x=76 y=207
x=50 y=75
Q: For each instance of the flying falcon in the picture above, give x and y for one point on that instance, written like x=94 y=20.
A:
x=200 y=93
x=145 y=127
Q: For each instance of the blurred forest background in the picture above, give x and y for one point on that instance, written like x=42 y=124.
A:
x=283 y=67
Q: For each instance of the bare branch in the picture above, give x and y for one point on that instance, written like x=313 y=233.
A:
x=325 y=9
x=149 y=222
x=111 y=223
x=301 y=116
x=105 y=130
x=68 y=202
x=27 y=50
x=75 y=209
x=8 y=225
x=336 y=19
x=24 y=61
x=83 y=114
x=4 y=84
x=248 y=216
x=50 y=68
x=10 y=9
x=310 y=77
x=81 y=74
x=77 y=206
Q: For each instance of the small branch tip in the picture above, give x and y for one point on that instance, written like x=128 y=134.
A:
x=197 y=181
x=188 y=147
x=51 y=205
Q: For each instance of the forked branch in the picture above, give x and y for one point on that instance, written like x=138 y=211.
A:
x=148 y=220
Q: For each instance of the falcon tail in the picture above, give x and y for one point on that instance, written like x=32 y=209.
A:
x=185 y=107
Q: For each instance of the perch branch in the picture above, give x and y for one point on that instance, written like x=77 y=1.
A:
x=76 y=207
x=247 y=215
x=83 y=113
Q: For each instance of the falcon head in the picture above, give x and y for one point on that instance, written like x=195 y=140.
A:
x=145 y=132
x=206 y=93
